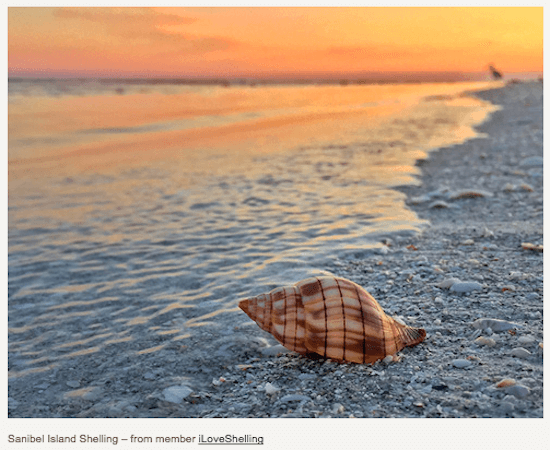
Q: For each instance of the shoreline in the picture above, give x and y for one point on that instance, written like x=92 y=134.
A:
x=233 y=369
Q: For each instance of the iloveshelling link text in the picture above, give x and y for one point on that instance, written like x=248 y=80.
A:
x=201 y=439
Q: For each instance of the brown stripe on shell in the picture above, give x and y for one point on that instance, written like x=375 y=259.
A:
x=343 y=320
x=332 y=317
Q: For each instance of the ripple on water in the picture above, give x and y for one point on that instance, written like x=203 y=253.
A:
x=152 y=254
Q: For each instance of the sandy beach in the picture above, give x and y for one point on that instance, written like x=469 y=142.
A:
x=482 y=200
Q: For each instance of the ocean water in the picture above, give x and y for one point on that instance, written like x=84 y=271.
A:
x=129 y=202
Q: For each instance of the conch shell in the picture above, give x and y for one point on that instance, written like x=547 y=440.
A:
x=331 y=317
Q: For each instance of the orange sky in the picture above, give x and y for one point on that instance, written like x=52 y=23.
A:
x=225 y=42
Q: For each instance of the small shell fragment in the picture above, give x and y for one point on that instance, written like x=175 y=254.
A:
x=506 y=382
x=520 y=352
x=438 y=204
x=526 y=187
x=482 y=340
x=532 y=247
x=495 y=324
x=469 y=193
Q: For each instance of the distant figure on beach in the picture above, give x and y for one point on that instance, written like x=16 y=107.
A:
x=496 y=74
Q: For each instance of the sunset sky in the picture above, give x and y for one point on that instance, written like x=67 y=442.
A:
x=272 y=42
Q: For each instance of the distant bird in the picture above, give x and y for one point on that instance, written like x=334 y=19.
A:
x=496 y=74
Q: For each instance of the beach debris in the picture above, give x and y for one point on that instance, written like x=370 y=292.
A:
x=496 y=325
x=465 y=286
x=469 y=193
x=332 y=317
x=532 y=247
x=520 y=352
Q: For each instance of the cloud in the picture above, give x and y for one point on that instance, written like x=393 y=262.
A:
x=147 y=28
x=138 y=17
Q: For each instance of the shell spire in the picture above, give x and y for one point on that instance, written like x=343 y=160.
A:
x=331 y=317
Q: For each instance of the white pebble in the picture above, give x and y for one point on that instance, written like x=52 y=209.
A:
x=446 y=284
x=176 y=394
x=526 y=340
x=461 y=363
x=516 y=276
x=520 y=352
x=338 y=408
x=271 y=389
x=518 y=390
x=466 y=286
x=482 y=340
x=388 y=359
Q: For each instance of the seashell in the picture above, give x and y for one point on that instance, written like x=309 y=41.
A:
x=331 y=317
